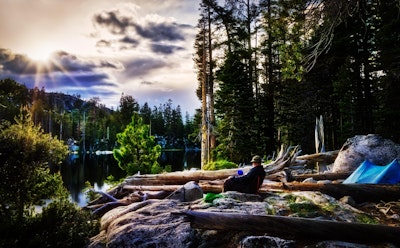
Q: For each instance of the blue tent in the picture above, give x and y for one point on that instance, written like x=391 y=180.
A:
x=368 y=172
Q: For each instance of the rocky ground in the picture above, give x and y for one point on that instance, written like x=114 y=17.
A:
x=161 y=223
x=140 y=221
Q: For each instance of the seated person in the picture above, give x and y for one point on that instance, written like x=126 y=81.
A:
x=249 y=183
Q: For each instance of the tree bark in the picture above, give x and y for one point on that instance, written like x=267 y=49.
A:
x=285 y=157
x=296 y=227
x=321 y=176
x=326 y=157
x=359 y=192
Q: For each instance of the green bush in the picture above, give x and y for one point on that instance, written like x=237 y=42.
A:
x=25 y=180
x=138 y=150
x=61 y=224
x=220 y=164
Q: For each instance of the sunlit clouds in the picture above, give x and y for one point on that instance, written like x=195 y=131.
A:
x=103 y=49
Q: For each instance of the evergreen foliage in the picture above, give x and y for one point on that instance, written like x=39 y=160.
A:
x=27 y=154
x=302 y=59
x=138 y=151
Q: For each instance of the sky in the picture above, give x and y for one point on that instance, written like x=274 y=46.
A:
x=103 y=48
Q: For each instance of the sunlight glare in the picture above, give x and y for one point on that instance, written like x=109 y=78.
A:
x=41 y=54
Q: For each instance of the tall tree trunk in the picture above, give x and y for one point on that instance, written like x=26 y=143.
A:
x=212 y=123
x=204 y=119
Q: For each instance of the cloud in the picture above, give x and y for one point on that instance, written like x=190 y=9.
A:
x=62 y=72
x=160 y=31
x=113 y=20
x=130 y=30
x=165 y=49
x=102 y=48
x=15 y=63
x=143 y=66
x=60 y=61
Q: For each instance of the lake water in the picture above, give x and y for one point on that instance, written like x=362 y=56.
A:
x=78 y=169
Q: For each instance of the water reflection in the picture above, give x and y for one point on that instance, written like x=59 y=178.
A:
x=180 y=160
x=80 y=168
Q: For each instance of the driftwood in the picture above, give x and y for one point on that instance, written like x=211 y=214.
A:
x=111 y=202
x=286 y=157
x=302 y=228
x=324 y=157
x=359 y=192
x=321 y=176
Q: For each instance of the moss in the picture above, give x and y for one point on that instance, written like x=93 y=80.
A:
x=304 y=209
x=270 y=210
x=330 y=208
x=290 y=198
x=366 y=219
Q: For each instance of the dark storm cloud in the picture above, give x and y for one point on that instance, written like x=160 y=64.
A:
x=88 y=80
x=160 y=31
x=63 y=71
x=129 y=40
x=164 y=49
x=141 y=67
x=72 y=63
x=60 y=61
x=115 y=22
x=66 y=82
x=15 y=63
x=118 y=24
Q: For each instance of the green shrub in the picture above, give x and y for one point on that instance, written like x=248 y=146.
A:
x=138 y=150
x=61 y=224
x=220 y=164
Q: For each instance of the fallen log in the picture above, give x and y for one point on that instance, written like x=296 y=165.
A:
x=321 y=176
x=170 y=188
x=285 y=158
x=324 y=157
x=359 y=192
x=300 y=228
x=181 y=177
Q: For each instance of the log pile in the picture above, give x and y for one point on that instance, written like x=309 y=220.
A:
x=278 y=178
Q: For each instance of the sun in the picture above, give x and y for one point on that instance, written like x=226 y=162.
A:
x=40 y=53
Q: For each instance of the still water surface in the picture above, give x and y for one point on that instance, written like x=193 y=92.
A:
x=80 y=168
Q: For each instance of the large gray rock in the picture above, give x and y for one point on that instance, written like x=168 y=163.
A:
x=145 y=224
x=266 y=241
x=191 y=191
x=370 y=147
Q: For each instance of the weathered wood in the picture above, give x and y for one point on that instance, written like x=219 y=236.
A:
x=170 y=188
x=325 y=157
x=300 y=228
x=359 y=192
x=321 y=176
x=182 y=177
x=285 y=157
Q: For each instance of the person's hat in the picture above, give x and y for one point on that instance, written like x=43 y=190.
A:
x=256 y=159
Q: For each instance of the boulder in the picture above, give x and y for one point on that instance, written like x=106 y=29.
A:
x=372 y=147
x=266 y=241
x=191 y=191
